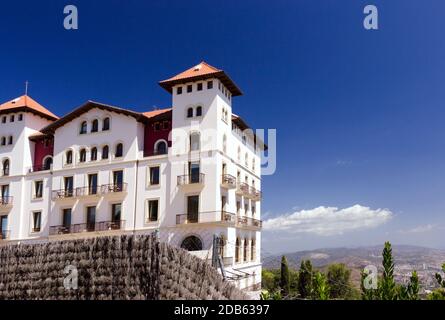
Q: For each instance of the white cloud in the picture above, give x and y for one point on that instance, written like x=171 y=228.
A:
x=419 y=229
x=327 y=221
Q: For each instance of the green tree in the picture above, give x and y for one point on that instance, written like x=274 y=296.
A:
x=439 y=294
x=388 y=286
x=339 y=281
x=285 y=277
x=305 y=277
x=413 y=287
x=270 y=279
x=320 y=287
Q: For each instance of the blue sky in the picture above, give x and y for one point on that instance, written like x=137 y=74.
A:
x=359 y=114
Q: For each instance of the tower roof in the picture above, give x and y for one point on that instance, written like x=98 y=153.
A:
x=26 y=103
x=201 y=71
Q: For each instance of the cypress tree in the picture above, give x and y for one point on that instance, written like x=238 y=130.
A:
x=285 y=277
x=305 y=277
x=388 y=286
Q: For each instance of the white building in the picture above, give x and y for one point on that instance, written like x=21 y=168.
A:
x=188 y=173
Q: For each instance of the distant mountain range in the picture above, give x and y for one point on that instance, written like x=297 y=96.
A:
x=425 y=261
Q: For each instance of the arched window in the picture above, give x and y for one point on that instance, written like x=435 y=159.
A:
x=198 y=111
x=83 y=155
x=3 y=143
x=106 y=124
x=160 y=147
x=253 y=164
x=246 y=248
x=195 y=141
x=252 y=250
x=47 y=163
x=246 y=161
x=10 y=140
x=93 y=155
x=6 y=167
x=237 y=250
x=69 y=157
x=119 y=150
x=95 y=125
x=192 y=243
x=190 y=113
x=83 y=127
x=105 y=151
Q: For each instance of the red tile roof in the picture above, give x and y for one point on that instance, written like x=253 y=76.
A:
x=154 y=113
x=201 y=71
x=26 y=103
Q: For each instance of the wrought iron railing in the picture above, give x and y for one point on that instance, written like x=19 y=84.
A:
x=191 y=179
x=63 y=193
x=255 y=194
x=113 y=188
x=248 y=222
x=4 y=234
x=243 y=188
x=87 y=191
x=6 y=201
x=87 y=227
x=40 y=167
x=206 y=217
x=228 y=180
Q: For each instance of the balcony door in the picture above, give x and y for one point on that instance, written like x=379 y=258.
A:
x=92 y=183
x=118 y=180
x=192 y=209
x=66 y=219
x=3 y=227
x=91 y=218
x=69 y=186
x=194 y=172
x=5 y=192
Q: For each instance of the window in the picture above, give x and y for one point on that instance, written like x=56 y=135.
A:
x=238 y=207
x=199 y=86
x=157 y=126
x=192 y=243
x=225 y=143
x=36 y=221
x=119 y=150
x=246 y=246
x=69 y=157
x=95 y=126
x=246 y=208
x=194 y=141
x=209 y=85
x=244 y=139
x=10 y=140
x=153 y=206
x=91 y=218
x=6 y=167
x=199 y=111
x=69 y=186
x=246 y=160
x=93 y=155
x=179 y=90
x=116 y=212
x=47 y=163
x=237 y=250
x=105 y=151
x=83 y=127
x=165 y=125
x=20 y=117
x=252 y=250
x=190 y=113
x=160 y=147
x=106 y=124
x=194 y=172
x=38 y=189
x=66 y=218
x=192 y=209
x=83 y=155
x=189 y=88
x=12 y=118
x=46 y=143
x=92 y=183
x=154 y=176
x=118 y=180
x=3 y=119
x=3 y=141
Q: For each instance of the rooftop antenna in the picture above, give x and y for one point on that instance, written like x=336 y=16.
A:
x=26 y=87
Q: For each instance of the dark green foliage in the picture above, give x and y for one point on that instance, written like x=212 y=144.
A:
x=439 y=294
x=320 y=287
x=339 y=281
x=388 y=286
x=284 y=277
x=109 y=268
x=305 y=277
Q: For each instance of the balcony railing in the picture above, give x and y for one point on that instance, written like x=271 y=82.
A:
x=63 y=194
x=40 y=167
x=248 y=222
x=4 y=234
x=206 y=217
x=87 y=191
x=243 y=188
x=255 y=194
x=87 y=227
x=191 y=179
x=113 y=188
x=153 y=153
x=6 y=201
x=228 y=181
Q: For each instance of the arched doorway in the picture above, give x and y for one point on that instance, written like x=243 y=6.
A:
x=191 y=243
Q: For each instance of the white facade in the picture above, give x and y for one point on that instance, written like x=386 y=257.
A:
x=207 y=185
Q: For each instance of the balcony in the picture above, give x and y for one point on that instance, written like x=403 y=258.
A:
x=114 y=188
x=193 y=179
x=40 y=167
x=154 y=153
x=87 y=227
x=206 y=217
x=63 y=194
x=4 y=234
x=228 y=181
x=248 y=222
x=6 y=203
x=87 y=191
x=255 y=194
x=243 y=189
